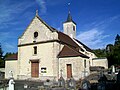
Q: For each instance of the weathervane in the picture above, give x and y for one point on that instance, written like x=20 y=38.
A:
x=69 y=7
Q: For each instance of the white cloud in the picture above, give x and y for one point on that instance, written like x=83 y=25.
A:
x=42 y=5
x=8 y=11
x=93 y=38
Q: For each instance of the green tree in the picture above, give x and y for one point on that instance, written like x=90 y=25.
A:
x=100 y=53
x=2 y=62
x=113 y=52
x=117 y=40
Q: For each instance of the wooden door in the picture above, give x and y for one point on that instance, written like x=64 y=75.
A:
x=69 y=70
x=35 y=69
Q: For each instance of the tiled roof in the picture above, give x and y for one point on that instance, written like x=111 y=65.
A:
x=70 y=52
x=12 y=57
x=87 y=48
x=73 y=49
x=67 y=40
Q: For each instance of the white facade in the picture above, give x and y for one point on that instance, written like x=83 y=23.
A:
x=70 y=29
x=39 y=50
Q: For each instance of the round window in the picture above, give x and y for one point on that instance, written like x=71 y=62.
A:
x=35 y=34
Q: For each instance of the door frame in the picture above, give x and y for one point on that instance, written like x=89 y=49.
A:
x=69 y=70
x=35 y=61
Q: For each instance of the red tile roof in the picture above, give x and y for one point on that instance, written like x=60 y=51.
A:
x=67 y=40
x=70 y=52
x=12 y=57
x=71 y=48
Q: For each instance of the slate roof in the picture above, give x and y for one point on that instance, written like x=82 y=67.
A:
x=12 y=57
x=69 y=18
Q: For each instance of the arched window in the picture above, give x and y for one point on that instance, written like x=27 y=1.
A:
x=35 y=34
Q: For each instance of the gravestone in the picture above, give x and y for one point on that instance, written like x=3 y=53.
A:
x=61 y=82
x=86 y=85
x=102 y=82
x=71 y=83
x=113 y=69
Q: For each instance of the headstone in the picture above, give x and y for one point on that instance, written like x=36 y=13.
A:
x=25 y=86
x=102 y=82
x=113 y=69
x=11 y=81
x=86 y=85
x=61 y=82
x=71 y=83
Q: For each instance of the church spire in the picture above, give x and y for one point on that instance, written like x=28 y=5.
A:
x=69 y=25
x=69 y=18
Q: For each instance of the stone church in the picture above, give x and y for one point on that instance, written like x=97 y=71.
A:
x=46 y=53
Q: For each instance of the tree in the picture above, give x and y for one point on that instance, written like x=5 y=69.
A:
x=100 y=52
x=113 y=52
x=2 y=62
x=117 y=40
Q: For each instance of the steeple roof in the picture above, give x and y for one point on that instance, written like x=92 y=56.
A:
x=69 y=18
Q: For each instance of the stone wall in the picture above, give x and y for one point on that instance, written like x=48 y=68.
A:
x=100 y=62
x=11 y=65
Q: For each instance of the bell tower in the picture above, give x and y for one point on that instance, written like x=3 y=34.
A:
x=69 y=26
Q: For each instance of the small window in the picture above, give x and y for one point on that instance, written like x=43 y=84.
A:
x=74 y=28
x=85 y=63
x=35 y=50
x=35 y=34
x=43 y=70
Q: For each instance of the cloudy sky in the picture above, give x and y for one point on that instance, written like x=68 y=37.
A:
x=98 y=21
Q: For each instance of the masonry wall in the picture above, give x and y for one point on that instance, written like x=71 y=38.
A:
x=47 y=59
x=47 y=51
x=77 y=67
x=11 y=65
x=100 y=62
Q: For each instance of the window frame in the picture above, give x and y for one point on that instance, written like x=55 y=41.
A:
x=35 y=34
x=35 y=50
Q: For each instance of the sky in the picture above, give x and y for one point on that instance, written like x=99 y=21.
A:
x=98 y=21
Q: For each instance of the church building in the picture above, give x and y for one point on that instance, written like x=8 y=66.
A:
x=46 y=53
